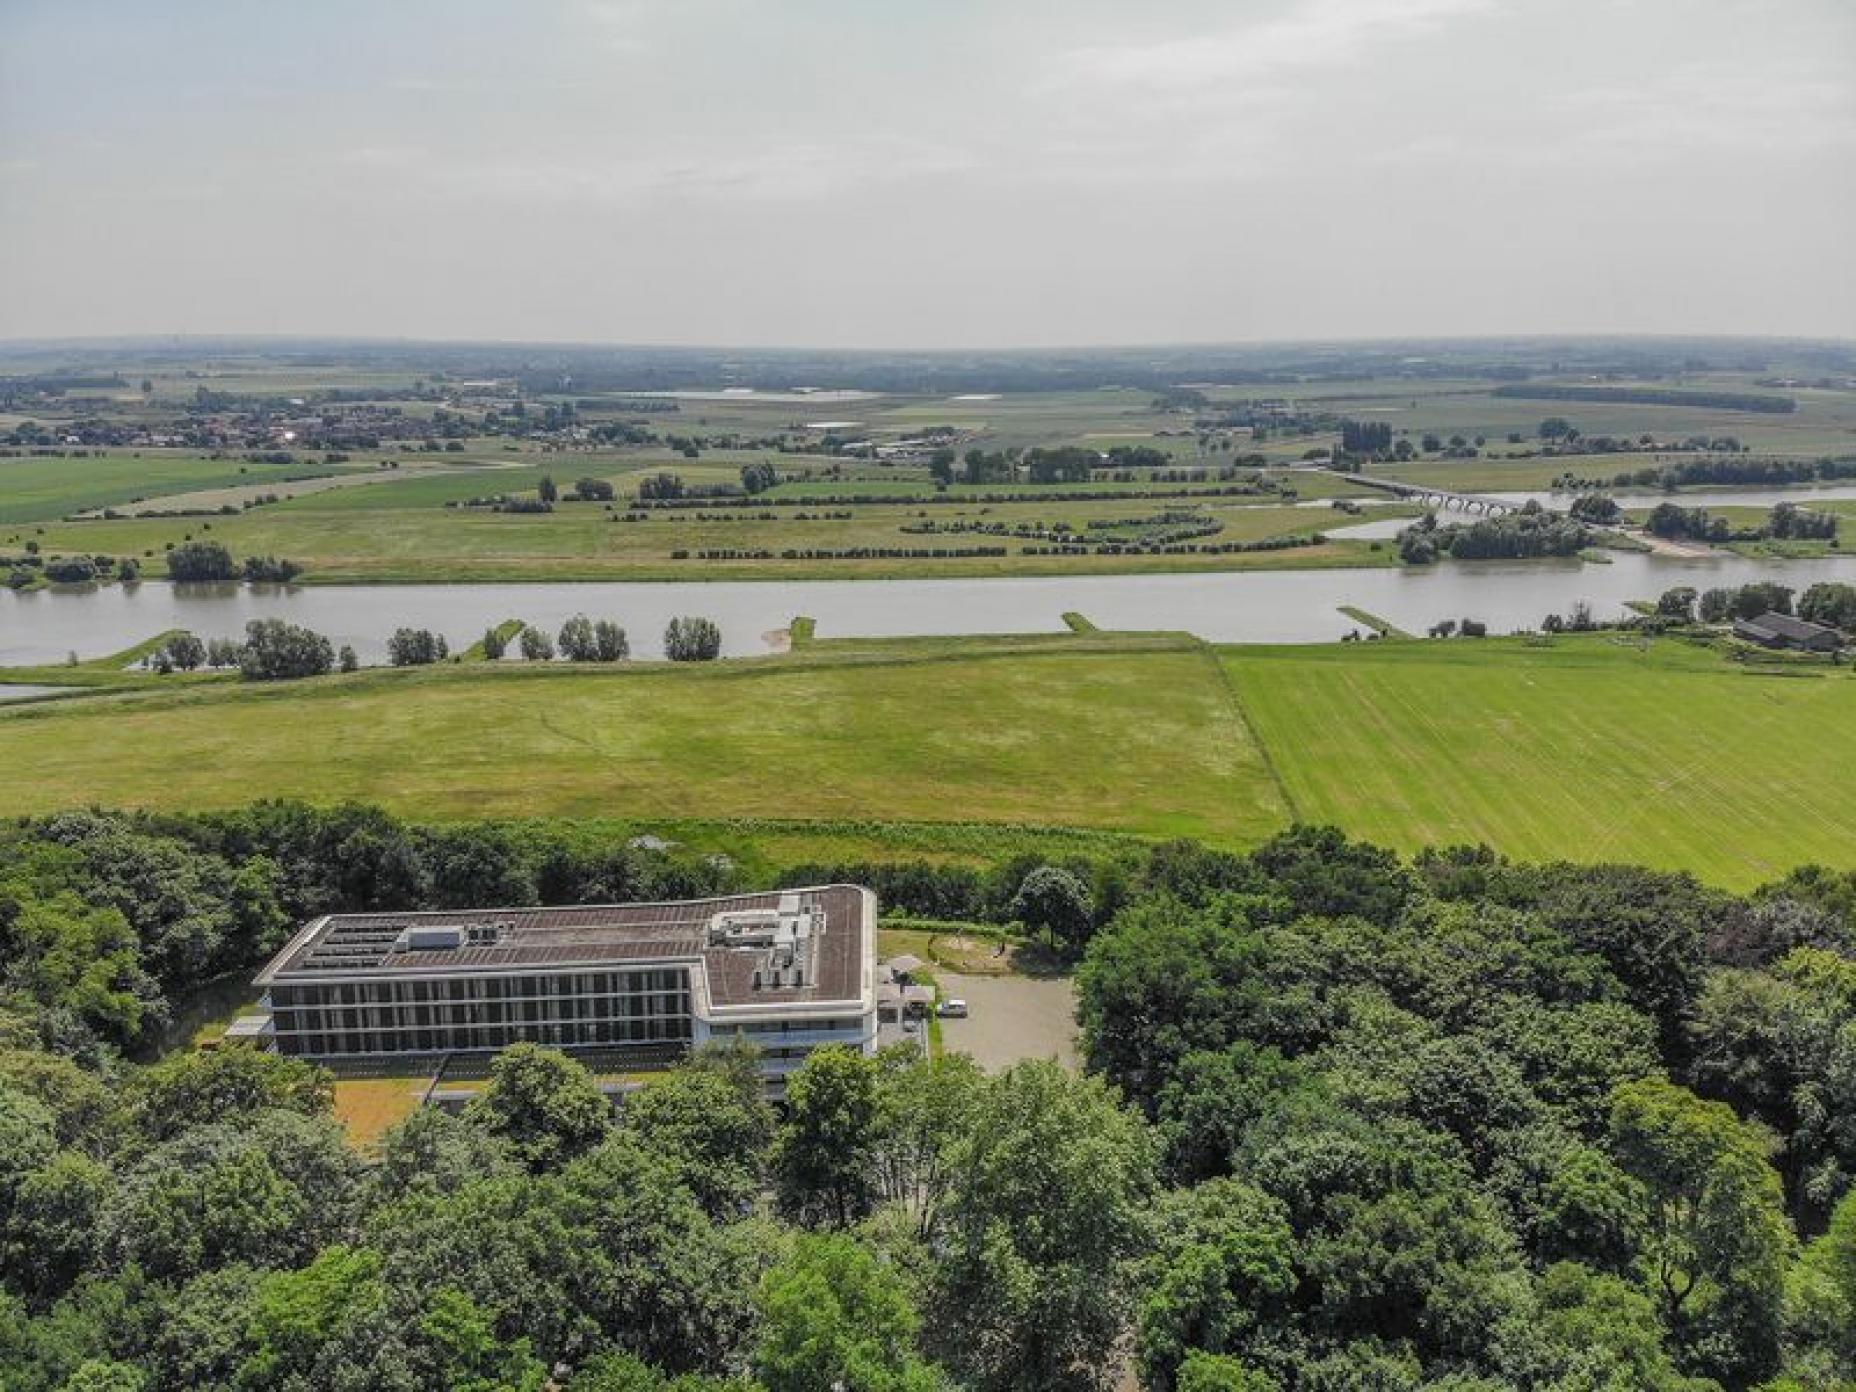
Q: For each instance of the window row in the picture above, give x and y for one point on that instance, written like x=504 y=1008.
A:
x=427 y=1041
x=485 y=1013
x=480 y=988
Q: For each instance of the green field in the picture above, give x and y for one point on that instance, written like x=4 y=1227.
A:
x=1587 y=750
x=39 y=488
x=409 y=523
x=1584 y=748
x=1111 y=733
x=404 y=530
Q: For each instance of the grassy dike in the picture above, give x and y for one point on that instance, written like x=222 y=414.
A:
x=1588 y=748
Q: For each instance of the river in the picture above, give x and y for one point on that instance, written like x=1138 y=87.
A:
x=1262 y=606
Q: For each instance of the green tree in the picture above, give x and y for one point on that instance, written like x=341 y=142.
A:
x=1162 y=981
x=833 y=1315
x=186 y=651
x=1820 y=1304
x=543 y=1104
x=823 y=1155
x=576 y=639
x=714 y=1130
x=1054 y=902
x=546 y=489
x=49 y=1238
x=278 y=651
x=1052 y=1178
x=923 y=1108
x=692 y=640
x=1217 y=1372
x=199 y=561
x=609 y=642
x=1218 y=1279
x=1716 y=1243
x=433 y=1151
x=296 y=1316
x=194 y=1087
x=98 y=1375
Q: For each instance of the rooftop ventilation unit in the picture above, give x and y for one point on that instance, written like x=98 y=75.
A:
x=447 y=938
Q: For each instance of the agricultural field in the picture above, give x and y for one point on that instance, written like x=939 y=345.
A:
x=963 y=750
x=39 y=488
x=1586 y=749
x=358 y=520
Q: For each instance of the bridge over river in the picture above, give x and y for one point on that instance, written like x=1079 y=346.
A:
x=1432 y=496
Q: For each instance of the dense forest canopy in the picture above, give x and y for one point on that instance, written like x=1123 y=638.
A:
x=1348 y=1122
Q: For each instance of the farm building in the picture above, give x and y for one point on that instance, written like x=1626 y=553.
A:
x=787 y=971
x=1783 y=631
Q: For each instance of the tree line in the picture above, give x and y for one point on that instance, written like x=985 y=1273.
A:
x=1348 y=1121
x=1652 y=396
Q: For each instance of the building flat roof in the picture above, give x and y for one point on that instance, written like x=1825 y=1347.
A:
x=836 y=957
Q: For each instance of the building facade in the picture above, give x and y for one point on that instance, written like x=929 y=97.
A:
x=788 y=971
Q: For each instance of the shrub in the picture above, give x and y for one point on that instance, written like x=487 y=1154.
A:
x=576 y=639
x=200 y=561
x=416 y=647
x=275 y=651
x=609 y=642
x=692 y=640
x=71 y=570
x=270 y=570
x=185 y=651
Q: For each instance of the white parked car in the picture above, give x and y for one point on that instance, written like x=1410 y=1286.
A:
x=952 y=1009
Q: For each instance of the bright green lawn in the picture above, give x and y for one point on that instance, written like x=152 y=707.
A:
x=1136 y=734
x=1586 y=750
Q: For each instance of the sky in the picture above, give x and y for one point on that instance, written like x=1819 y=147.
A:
x=927 y=173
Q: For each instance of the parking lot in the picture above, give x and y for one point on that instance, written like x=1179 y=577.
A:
x=1013 y=1017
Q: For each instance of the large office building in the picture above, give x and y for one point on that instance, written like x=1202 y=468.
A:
x=788 y=971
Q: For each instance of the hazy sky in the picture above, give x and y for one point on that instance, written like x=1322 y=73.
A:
x=927 y=172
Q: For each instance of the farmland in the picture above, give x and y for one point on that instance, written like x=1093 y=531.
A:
x=1586 y=748
x=851 y=479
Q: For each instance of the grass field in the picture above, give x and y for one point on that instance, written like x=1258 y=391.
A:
x=41 y=488
x=966 y=750
x=1119 y=733
x=1586 y=750
x=403 y=530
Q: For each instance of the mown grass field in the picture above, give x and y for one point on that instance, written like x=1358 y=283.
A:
x=1585 y=750
x=1135 y=734
x=965 y=750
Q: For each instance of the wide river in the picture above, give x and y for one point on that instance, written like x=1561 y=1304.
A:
x=1265 y=606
